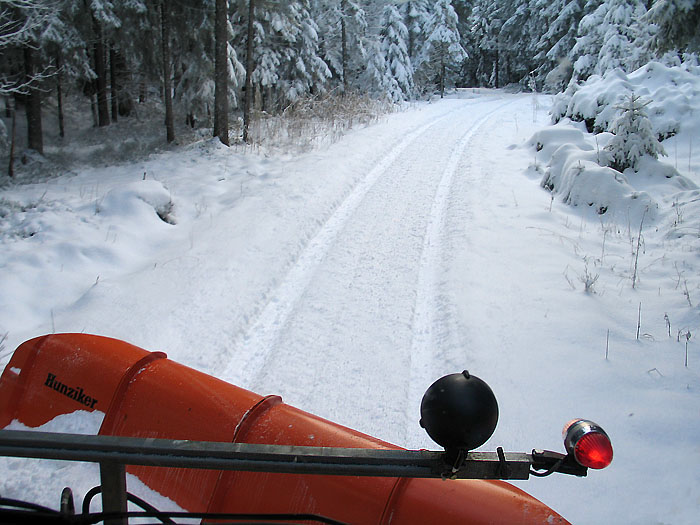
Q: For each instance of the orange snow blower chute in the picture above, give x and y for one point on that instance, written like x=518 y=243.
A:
x=146 y=395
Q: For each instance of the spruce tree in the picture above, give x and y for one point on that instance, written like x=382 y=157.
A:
x=343 y=40
x=443 y=52
x=678 y=22
x=221 y=71
x=634 y=137
x=399 y=71
x=560 y=18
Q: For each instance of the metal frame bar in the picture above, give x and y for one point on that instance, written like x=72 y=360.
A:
x=259 y=458
x=113 y=453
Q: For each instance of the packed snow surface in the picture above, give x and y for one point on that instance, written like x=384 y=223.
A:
x=348 y=279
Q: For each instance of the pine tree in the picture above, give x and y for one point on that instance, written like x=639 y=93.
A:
x=634 y=137
x=484 y=24
x=443 y=52
x=167 y=70
x=302 y=67
x=607 y=37
x=221 y=71
x=516 y=42
x=104 y=19
x=624 y=27
x=561 y=19
x=343 y=39
x=399 y=71
x=589 y=40
x=195 y=63
x=417 y=15
x=19 y=27
x=678 y=22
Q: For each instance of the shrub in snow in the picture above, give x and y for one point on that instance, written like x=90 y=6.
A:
x=634 y=137
x=579 y=166
x=139 y=201
x=574 y=174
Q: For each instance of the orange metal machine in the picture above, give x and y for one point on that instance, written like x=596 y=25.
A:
x=144 y=394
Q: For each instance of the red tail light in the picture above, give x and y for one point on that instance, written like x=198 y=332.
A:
x=588 y=443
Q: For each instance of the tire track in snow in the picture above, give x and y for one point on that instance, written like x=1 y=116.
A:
x=426 y=324
x=251 y=352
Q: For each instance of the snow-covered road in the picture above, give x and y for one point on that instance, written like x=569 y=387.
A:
x=363 y=296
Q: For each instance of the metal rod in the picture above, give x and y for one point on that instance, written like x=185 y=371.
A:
x=113 y=481
x=258 y=458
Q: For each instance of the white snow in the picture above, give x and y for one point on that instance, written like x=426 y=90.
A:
x=348 y=278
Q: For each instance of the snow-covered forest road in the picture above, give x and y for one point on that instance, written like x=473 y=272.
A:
x=366 y=293
x=348 y=278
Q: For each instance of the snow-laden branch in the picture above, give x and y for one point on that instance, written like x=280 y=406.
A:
x=20 y=19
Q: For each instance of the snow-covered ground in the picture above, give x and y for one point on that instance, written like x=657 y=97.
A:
x=349 y=278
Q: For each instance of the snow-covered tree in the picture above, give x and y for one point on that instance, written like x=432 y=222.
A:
x=482 y=41
x=516 y=42
x=104 y=19
x=343 y=39
x=634 y=137
x=286 y=52
x=394 y=51
x=22 y=72
x=624 y=28
x=303 y=68
x=678 y=23
x=195 y=87
x=417 y=16
x=443 y=52
x=606 y=37
x=561 y=19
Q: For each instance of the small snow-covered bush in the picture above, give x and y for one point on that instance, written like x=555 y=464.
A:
x=575 y=176
x=634 y=137
x=138 y=201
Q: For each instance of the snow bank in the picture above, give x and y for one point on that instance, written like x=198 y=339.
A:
x=674 y=93
x=575 y=150
x=57 y=247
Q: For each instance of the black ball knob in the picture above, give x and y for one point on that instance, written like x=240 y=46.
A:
x=459 y=412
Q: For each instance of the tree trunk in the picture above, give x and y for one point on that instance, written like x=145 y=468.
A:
x=142 y=91
x=442 y=77
x=59 y=96
x=114 y=91
x=167 y=89
x=35 y=139
x=11 y=164
x=93 y=109
x=344 y=46
x=249 y=66
x=101 y=72
x=221 y=73
x=411 y=36
x=497 y=59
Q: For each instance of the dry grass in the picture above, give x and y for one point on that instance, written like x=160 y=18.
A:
x=315 y=121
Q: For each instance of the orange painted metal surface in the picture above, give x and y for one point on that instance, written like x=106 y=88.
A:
x=144 y=394
x=59 y=374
